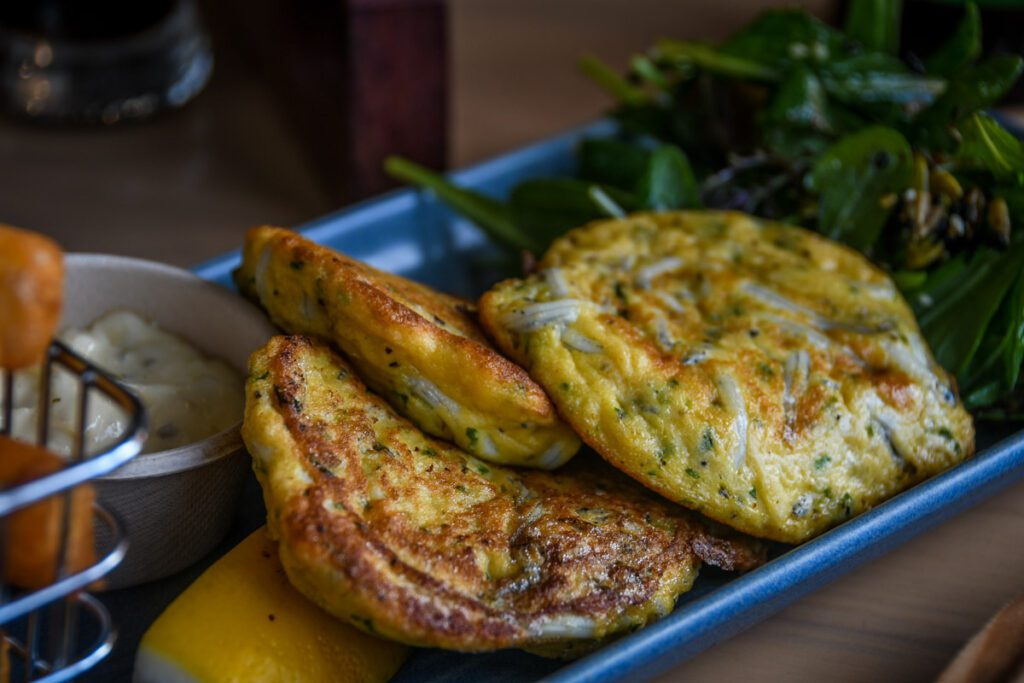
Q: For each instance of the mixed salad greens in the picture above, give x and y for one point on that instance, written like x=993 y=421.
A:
x=794 y=120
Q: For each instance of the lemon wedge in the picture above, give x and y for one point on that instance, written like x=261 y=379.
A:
x=241 y=621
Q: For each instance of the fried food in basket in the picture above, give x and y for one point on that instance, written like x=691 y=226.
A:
x=32 y=534
x=408 y=537
x=31 y=282
x=422 y=350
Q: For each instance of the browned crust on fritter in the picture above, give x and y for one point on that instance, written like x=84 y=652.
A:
x=383 y=301
x=409 y=562
x=387 y=291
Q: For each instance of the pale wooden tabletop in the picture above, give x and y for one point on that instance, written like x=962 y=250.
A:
x=183 y=188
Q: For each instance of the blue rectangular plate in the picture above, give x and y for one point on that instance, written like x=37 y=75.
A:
x=410 y=233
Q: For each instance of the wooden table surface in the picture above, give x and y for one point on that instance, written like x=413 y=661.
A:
x=184 y=188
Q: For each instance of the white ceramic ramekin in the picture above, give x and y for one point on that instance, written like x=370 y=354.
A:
x=176 y=504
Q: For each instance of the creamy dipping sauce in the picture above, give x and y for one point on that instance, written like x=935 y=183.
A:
x=188 y=396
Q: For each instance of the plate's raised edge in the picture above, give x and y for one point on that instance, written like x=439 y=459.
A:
x=395 y=204
x=749 y=599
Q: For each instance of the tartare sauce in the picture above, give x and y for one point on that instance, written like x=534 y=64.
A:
x=188 y=396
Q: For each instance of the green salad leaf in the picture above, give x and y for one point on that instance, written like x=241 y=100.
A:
x=493 y=216
x=546 y=208
x=962 y=48
x=971 y=89
x=613 y=162
x=956 y=305
x=875 y=24
x=987 y=145
x=852 y=176
x=873 y=78
x=1013 y=355
x=781 y=38
x=799 y=119
x=667 y=182
x=994 y=369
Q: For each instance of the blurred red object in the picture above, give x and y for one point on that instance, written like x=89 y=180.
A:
x=356 y=80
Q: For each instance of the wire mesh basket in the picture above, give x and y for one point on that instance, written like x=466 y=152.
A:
x=59 y=631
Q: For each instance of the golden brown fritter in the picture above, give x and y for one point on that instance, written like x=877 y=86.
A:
x=759 y=373
x=419 y=349
x=411 y=538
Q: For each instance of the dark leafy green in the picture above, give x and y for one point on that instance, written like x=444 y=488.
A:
x=972 y=89
x=956 y=305
x=987 y=145
x=667 y=182
x=1013 y=355
x=851 y=178
x=781 y=38
x=875 y=24
x=491 y=215
x=873 y=78
x=611 y=162
x=995 y=368
x=799 y=120
x=962 y=48
x=546 y=208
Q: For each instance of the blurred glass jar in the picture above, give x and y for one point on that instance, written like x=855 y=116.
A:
x=100 y=61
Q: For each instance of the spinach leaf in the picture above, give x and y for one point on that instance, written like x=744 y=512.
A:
x=780 y=38
x=982 y=85
x=874 y=77
x=800 y=102
x=984 y=380
x=875 y=24
x=962 y=306
x=492 y=216
x=983 y=396
x=995 y=368
x=1014 y=355
x=658 y=122
x=546 y=208
x=611 y=162
x=800 y=120
x=973 y=88
x=987 y=145
x=852 y=176
x=938 y=285
x=962 y=48
x=668 y=182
